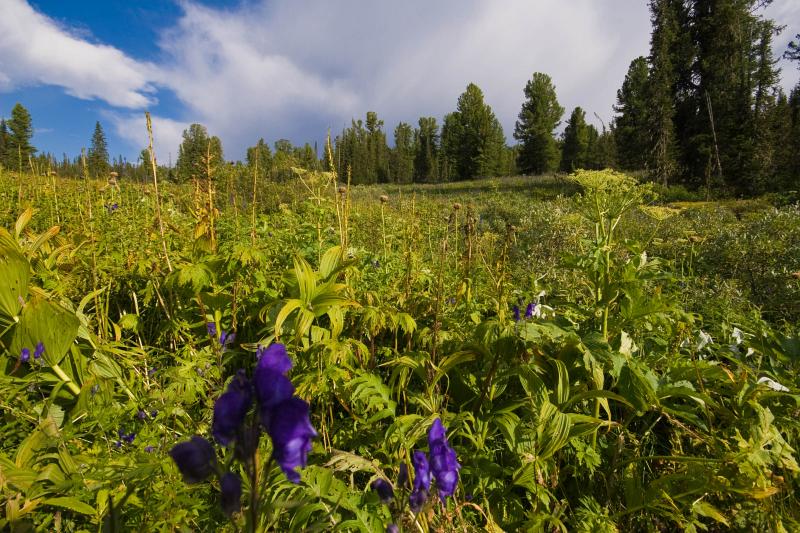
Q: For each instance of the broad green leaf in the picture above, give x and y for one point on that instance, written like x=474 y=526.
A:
x=48 y=323
x=14 y=278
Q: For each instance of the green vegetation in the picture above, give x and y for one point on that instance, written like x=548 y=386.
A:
x=601 y=359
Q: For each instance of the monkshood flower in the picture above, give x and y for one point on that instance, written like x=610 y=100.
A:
x=384 y=490
x=231 y=409
x=39 y=351
x=422 y=481
x=211 y=327
x=443 y=462
x=517 y=316
x=392 y=528
x=271 y=384
x=530 y=310
x=231 y=487
x=226 y=339
x=195 y=459
x=25 y=355
x=291 y=432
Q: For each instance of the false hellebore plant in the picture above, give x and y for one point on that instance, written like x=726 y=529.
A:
x=267 y=402
x=440 y=463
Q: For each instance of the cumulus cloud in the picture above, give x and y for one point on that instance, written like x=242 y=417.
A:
x=36 y=50
x=167 y=133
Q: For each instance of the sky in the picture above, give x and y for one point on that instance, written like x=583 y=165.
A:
x=296 y=69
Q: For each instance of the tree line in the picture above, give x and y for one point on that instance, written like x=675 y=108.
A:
x=703 y=109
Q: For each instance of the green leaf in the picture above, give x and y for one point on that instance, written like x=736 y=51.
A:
x=70 y=503
x=48 y=323
x=14 y=277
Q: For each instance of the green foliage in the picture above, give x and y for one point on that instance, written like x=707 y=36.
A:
x=97 y=160
x=539 y=117
x=18 y=146
x=199 y=156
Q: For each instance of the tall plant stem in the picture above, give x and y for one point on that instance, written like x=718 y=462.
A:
x=155 y=189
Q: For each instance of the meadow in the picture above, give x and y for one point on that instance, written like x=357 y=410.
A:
x=603 y=354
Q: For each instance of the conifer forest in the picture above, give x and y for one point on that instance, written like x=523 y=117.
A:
x=429 y=326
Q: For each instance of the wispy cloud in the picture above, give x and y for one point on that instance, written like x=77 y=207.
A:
x=36 y=50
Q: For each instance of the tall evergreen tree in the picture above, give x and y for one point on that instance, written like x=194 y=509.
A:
x=539 y=117
x=260 y=157
x=402 y=156
x=576 y=142
x=4 y=143
x=426 y=158
x=631 y=128
x=19 y=147
x=475 y=137
x=97 y=159
x=197 y=154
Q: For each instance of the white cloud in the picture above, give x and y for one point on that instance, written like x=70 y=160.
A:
x=35 y=50
x=293 y=68
x=167 y=133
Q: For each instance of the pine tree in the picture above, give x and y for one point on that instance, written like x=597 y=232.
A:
x=474 y=136
x=97 y=159
x=426 y=159
x=631 y=124
x=197 y=154
x=259 y=158
x=19 y=147
x=3 y=144
x=540 y=116
x=576 y=142
x=402 y=156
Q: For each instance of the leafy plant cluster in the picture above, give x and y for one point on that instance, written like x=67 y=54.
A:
x=564 y=355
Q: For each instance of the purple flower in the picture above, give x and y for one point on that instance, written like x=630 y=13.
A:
x=274 y=357
x=37 y=353
x=231 y=487
x=291 y=432
x=231 y=408
x=271 y=384
x=443 y=462
x=153 y=413
x=384 y=490
x=129 y=438
x=149 y=449
x=211 y=327
x=529 y=310
x=392 y=528
x=402 y=476
x=25 y=355
x=141 y=415
x=195 y=459
x=516 y=313
x=226 y=338
x=422 y=480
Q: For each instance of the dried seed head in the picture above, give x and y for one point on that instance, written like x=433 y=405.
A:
x=113 y=174
x=456 y=206
x=384 y=198
x=695 y=238
x=342 y=189
x=796 y=275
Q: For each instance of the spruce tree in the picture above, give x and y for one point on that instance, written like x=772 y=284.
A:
x=19 y=140
x=576 y=142
x=3 y=144
x=426 y=159
x=475 y=137
x=539 y=117
x=97 y=159
x=197 y=154
x=402 y=156
x=631 y=132
x=259 y=157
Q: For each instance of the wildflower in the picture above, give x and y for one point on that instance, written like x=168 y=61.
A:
x=703 y=340
x=291 y=432
x=195 y=459
x=129 y=438
x=529 y=310
x=149 y=449
x=384 y=198
x=95 y=389
x=392 y=528
x=151 y=372
x=443 y=462
x=422 y=481
x=271 y=384
x=141 y=415
x=211 y=327
x=226 y=338
x=384 y=490
x=25 y=355
x=517 y=317
x=231 y=408
x=37 y=353
x=402 y=476
x=231 y=487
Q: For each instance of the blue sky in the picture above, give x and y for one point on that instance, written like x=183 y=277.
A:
x=296 y=68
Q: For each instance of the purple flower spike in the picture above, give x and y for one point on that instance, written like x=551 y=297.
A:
x=149 y=449
x=291 y=432
x=226 y=339
x=384 y=490
x=231 y=487
x=25 y=355
x=37 y=353
x=516 y=313
x=195 y=459
x=422 y=471
x=392 y=528
x=443 y=462
x=402 y=476
x=231 y=408
x=271 y=384
x=274 y=358
x=211 y=327
x=417 y=499
x=529 y=310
